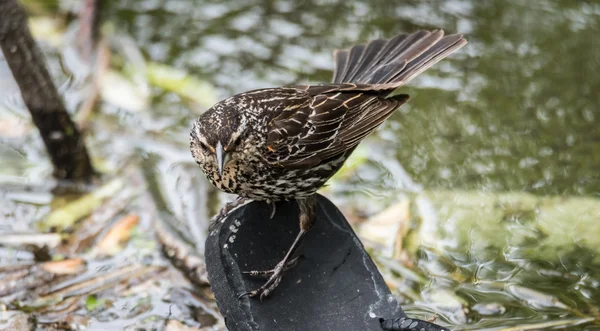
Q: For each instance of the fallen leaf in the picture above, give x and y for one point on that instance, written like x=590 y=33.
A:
x=120 y=232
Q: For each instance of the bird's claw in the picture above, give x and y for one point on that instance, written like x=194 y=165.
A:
x=275 y=276
x=265 y=289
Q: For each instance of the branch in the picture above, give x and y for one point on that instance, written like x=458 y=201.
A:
x=62 y=139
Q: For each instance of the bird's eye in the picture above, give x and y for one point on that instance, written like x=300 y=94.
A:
x=204 y=147
x=234 y=144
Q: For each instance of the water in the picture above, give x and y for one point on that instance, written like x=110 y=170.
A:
x=516 y=110
x=519 y=99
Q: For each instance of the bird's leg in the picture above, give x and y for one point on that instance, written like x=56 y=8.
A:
x=228 y=207
x=307 y=220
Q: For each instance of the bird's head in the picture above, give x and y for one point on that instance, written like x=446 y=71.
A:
x=217 y=138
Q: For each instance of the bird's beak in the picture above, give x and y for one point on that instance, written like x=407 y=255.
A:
x=220 y=152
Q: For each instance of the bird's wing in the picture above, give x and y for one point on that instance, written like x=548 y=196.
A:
x=330 y=120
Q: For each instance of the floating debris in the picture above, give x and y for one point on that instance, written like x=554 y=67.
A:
x=64 y=267
x=535 y=299
x=64 y=217
x=182 y=255
x=50 y=240
x=92 y=226
x=120 y=232
x=18 y=278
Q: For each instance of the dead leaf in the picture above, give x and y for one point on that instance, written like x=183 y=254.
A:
x=119 y=233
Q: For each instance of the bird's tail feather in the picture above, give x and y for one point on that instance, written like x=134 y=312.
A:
x=389 y=63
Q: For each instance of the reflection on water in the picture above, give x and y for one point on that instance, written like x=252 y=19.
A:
x=514 y=110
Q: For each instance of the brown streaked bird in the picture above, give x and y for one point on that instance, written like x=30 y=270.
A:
x=284 y=143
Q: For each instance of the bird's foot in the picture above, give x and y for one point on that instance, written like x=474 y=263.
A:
x=307 y=218
x=275 y=275
x=267 y=273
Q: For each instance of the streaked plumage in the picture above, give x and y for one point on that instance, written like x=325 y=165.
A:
x=285 y=143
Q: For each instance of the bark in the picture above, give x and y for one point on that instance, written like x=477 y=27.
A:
x=60 y=135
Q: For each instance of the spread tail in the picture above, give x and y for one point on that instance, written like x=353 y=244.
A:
x=389 y=63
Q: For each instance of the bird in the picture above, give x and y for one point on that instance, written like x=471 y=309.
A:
x=284 y=143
